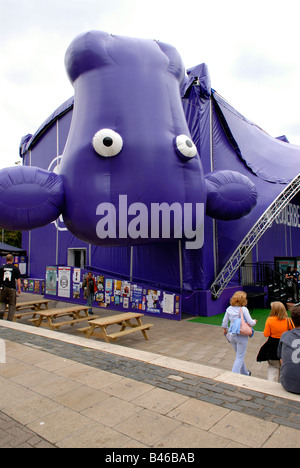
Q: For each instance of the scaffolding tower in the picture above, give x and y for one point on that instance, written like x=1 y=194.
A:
x=253 y=236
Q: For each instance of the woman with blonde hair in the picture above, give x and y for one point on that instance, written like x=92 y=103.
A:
x=237 y=307
x=276 y=324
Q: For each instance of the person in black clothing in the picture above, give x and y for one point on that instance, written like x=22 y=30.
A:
x=89 y=287
x=9 y=278
x=291 y=285
x=295 y=274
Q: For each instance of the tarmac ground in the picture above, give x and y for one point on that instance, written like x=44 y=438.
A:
x=62 y=390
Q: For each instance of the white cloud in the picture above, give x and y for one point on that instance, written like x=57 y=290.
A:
x=252 y=66
x=251 y=49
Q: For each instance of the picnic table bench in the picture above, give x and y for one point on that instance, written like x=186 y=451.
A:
x=124 y=320
x=74 y=312
x=34 y=305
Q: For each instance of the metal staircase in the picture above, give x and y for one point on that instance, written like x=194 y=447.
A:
x=253 y=236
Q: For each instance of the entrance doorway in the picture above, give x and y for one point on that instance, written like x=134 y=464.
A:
x=77 y=258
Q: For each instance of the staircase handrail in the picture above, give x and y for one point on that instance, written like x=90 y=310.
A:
x=263 y=279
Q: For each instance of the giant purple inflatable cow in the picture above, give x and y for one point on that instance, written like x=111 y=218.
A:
x=130 y=172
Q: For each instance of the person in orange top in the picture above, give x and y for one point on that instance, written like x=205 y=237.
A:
x=276 y=324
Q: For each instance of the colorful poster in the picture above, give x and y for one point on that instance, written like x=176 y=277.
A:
x=99 y=296
x=137 y=296
x=100 y=283
x=125 y=290
x=107 y=299
x=112 y=293
x=51 y=280
x=23 y=268
x=177 y=305
x=64 y=283
x=168 y=303
x=152 y=304
x=117 y=287
x=76 y=290
x=76 y=275
x=36 y=287
x=108 y=285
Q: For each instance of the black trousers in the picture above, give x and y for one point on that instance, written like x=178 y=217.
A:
x=8 y=296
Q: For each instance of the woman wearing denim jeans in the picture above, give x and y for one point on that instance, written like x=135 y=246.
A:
x=238 y=342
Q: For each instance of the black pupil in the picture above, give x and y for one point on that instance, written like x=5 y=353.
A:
x=107 y=141
x=189 y=143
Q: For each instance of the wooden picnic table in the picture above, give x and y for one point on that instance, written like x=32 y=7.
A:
x=124 y=320
x=74 y=312
x=34 y=305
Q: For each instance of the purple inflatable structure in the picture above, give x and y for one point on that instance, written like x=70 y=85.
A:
x=128 y=125
x=155 y=175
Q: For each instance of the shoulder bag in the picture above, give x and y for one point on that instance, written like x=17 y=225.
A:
x=245 y=329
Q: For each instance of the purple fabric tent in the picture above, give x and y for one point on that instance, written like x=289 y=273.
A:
x=225 y=140
x=198 y=269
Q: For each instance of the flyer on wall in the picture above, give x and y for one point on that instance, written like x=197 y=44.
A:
x=64 y=281
x=51 y=279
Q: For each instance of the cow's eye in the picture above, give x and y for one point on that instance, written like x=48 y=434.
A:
x=107 y=142
x=185 y=147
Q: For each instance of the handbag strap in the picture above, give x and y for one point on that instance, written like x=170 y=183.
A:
x=290 y=324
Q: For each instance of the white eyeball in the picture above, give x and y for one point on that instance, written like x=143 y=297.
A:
x=185 y=146
x=107 y=142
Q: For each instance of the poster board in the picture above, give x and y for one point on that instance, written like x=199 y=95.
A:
x=65 y=284
x=33 y=286
x=20 y=261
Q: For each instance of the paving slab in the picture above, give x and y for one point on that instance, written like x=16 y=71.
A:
x=244 y=429
x=67 y=391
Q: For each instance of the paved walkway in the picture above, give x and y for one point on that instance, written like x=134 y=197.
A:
x=62 y=390
x=184 y=340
